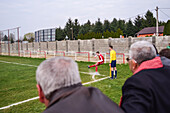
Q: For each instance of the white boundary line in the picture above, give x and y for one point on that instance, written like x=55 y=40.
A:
x=18 y=103
x=18 y=63
x=38 y=96
x=5 y=107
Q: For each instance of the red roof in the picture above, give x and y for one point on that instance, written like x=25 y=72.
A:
x=150 y=30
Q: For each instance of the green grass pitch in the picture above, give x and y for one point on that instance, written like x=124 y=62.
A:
x=17 y=83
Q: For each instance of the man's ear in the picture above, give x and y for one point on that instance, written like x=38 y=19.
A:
x=135 y=65
x=41 y=94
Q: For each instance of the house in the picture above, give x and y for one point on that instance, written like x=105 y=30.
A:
x=150 y=31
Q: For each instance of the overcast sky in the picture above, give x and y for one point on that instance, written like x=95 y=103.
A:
x=33 y=15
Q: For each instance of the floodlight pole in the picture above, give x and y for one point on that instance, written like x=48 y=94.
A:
x=157 y=21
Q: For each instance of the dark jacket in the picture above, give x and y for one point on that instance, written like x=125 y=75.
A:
x=148 y=90
x=80 y=99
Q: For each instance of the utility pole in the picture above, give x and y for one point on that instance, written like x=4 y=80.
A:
x=157 y=21
x=72 y=32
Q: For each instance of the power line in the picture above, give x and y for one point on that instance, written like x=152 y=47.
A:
x=164 y=8
x=165 y=14
x=138 y=15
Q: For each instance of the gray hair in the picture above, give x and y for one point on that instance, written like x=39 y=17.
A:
x=142 y=51
x=56 y=73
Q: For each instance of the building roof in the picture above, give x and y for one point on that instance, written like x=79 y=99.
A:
x=150 y=30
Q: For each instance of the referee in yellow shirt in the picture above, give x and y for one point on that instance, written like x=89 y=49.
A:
x=112 y=63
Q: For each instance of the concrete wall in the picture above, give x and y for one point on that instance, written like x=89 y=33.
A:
x=135 y=39
x=36 y=46
x=30 y=46
x=25 y=46
x=52 y=46
x=162 y=42
x=4 y=48
x=43 y=46
x=85 y=45
x=101 y=45
x=61 y=45
x=73 y=45
x=120 y=45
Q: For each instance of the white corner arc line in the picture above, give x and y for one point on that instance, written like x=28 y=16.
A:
x=5 y=107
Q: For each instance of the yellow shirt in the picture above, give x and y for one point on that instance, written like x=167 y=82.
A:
x=112 y=55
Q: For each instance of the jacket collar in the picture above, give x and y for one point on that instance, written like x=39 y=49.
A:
x=150 y=64
x=62 y=93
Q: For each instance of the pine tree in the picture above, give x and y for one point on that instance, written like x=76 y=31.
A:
x=98 y=27
x=106 y=25
x=5 y=38
x=167 y=28
x=138 y=23
x=150 y=20
x=60 y=34
x=76 y=27
x=114 y=25
x=130 y=29
x=68 y=28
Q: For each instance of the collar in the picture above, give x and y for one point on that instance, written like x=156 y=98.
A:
x=62 y=93
x=150 y=64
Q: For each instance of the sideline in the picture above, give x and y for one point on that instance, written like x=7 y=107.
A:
x=5 y=107
x=17 y=63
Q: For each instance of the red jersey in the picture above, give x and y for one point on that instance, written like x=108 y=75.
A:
x=101 y=58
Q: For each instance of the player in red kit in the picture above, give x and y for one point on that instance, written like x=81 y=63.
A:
x=101 y=61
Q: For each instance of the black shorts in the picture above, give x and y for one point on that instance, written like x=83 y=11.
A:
x=113 y=63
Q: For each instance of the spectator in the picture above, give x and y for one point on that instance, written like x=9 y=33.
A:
x=60 y=89
x=147 y=91
x=165 y=53
x=168 y=46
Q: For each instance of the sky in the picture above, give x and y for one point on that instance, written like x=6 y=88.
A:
x=33 y=15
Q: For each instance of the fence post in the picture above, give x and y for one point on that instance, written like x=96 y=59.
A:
x=88 y=56
x=123 y=58
x=18 y=42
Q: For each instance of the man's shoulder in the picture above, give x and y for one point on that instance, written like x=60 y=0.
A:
x=86 y=100
x=113 y=51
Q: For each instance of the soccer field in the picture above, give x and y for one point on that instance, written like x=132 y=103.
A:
x=17 y=83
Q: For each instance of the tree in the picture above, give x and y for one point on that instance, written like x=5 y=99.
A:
x=76 y=27
x=25 y=39
x=60 y=34
x=161 y=23
x=130 y=29
x=121 y=25
x=85 y=28
x=114 y=25
x=68 y=28
x=29 y=37
x=106 y=25
x=98 y=27
x=167 y=28
x=139 y=23
x=5 y=38
x=118 y=33
x=11 y=37
x=150 y=20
